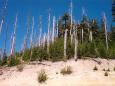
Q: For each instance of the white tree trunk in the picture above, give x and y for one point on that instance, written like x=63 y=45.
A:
x=105 y=26
x=48 y=39
x=57 y=29
x=31 y=38
x=1 y=26
x=53 y=29
x=71 y=9
x=82 y=34
x=71 y=38
x=40 y=31
x=90 y=36
x=76 y=44
x=14 y=36
x=65 y=43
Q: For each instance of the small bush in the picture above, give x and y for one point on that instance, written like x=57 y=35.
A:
x=106 y=74
x=108 y=70
x=42 y=77
x=104 y=69
x=13 y=61
x=56 y=50
x=66 y=70
x=20 y=67
x=3 y=62
x=95 y=68
x=114 y=68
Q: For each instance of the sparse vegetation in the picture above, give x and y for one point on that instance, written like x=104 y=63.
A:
x=103 y=69
x=114 y=68
x=108 y=70
x=20 y=67
x=66 y=70
x=106 y=74
x=42 y=76
x=95 y=68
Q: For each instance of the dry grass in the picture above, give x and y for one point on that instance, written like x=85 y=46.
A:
x=95 y=68
x=106 y=74
x=20 y=67
x=66 y=70
x=42 y=76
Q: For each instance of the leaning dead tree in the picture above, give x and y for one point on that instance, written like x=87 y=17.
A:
x=31 y=38
x=105 y=27
x=14 y=36
x=48 y=35
x=40 y=30
x=53 y=31
x=3 y=12
x=13 y=40
x=71 y=25
x=5 y=41
x=25 y=39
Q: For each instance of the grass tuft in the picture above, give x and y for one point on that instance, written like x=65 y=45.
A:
x=20 y=67
x=106 y=74
x=95 y=68
x=42 y=76
x=66 y=70
x=114 y=68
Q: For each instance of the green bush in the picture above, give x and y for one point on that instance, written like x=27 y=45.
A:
x=26 y=55
x=102 y=50
x=39 y=53
x=42 y=76
x=13 y=61
x=57 y=50
x=3 y=61
x=70 y=49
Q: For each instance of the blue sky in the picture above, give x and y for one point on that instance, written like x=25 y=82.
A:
x=94 y=9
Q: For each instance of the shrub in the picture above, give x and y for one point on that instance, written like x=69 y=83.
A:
x=82 y=50
x=114 y=68
x=108 y=70
x=20 y=67
x=42 y=77
x=39 y=53
x=3 y=61
x=95 y=68
x=56 y=50
x=26 y=55
x=104 y=69
x=106 y=74
x=13 y=61
x=101 y=48
x=70 y=49
x=66 y=70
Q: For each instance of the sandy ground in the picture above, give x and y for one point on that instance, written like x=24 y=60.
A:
x=83 y=74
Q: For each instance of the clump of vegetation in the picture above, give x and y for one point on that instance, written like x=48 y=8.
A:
x=108 y=70
x=20 y=67
x=114 y=68
x=103 y=69
x=106 y=74
x=95 y=68
x=42 y=76
x=66 y=70
x=12 y=61
x=56 y=50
